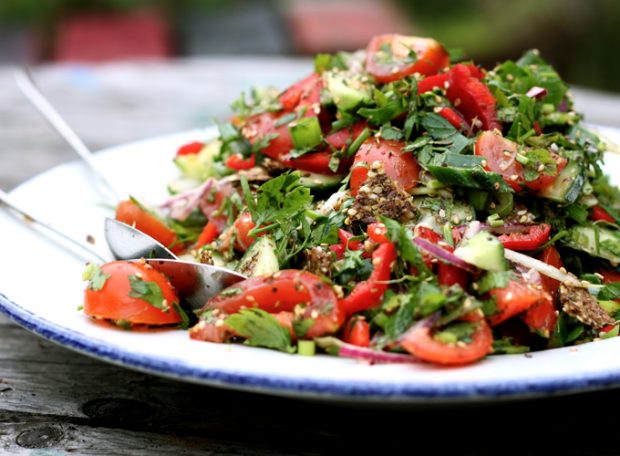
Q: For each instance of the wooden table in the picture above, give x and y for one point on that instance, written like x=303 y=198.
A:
x=54 y=402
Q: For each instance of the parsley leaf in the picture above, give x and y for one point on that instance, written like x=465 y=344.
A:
x=95 y=276
x=281 y=198
x=149 y=292
x=260 y=329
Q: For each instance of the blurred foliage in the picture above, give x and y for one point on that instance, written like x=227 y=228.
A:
x=578 y=37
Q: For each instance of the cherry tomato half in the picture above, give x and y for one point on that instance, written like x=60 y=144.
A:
x=399 y=166
x=132 y=214
x=420 y=342
x=113 y=300
x=389 y=57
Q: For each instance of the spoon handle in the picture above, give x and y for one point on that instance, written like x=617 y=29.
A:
x=30 y=90
x=29 y=219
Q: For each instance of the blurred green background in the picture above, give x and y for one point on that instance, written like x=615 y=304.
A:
x=579 y=37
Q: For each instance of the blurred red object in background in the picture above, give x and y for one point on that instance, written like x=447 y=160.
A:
x=328 y=26
x=100 y=37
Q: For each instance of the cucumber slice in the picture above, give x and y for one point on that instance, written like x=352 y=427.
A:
x=260 y=259
x=484 y=251
x=465 y=171
x=320 y=181
x=348 y=91
x=305 y=133
x=199 y=166
x=594 y=240
x=567 y=186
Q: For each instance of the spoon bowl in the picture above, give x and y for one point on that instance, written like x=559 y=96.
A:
x=195 y=283
x=128 y=243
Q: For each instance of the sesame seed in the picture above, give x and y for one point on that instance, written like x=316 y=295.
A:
x=514 y=177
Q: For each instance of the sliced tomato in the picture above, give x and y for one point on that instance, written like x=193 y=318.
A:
x=132 y=214
x=542 y=316
x=191 y=148
x=237 y=162
x=545 y=179
x=377 y=232
x=345 y=239
x=357 y=332
x=430 y=235
x=514 y=299
x=306 y=92
x=263 y=126
x=389 y=57
x=551 y=256
x=531 y=239
x=609 y=275
x=116 y=301
x=501 y=157
x=242 y=227
x=316 y=162
x=420 y=342
x=451 y=275
x=472 y=97
x=283 y=291
x=342 y=138
x=598 y=213
x=399 y=166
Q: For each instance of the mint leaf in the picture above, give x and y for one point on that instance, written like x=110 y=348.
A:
x=95 y=276
x=149 y=292
x=260 y=329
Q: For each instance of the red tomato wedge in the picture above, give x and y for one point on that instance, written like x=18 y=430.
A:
x=242 y=227
x=420 y=342
x=512 y=300
x=260 y=127
x=283 y=291
x=114 y=301
x=455 y=118
x=357 y=332
x=501 y=157
x=534 y=237
x=132 y=214
x=390 y=57
x=472 y=97
x=207 y=235
x=306 y=92
x=399 y=166
x=238 y=163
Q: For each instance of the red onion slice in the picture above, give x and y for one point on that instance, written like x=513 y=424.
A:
x=537 y=92
x=362 y=353
x=442 y=254
x=183 y=204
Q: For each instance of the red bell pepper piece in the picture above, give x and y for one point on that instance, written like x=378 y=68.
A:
x=534 y=237
x=237 y=162
x=368 y=294
x=598 y=213
x=209 y=234
x=377 y=232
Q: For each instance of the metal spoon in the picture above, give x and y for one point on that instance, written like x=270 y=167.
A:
x=195 y=282
x=30 y=90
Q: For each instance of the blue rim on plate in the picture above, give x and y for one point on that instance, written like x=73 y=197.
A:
x=286 y=386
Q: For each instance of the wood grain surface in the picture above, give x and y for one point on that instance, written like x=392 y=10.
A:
x=56 y=402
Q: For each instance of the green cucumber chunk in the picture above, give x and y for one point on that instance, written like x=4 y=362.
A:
x=260 y=258
x=348 y=91
x=566 y=188
x=594 y=240
x=316 y=181
x=484 y=251
x=465 y=171
x=305 y=133
x=199 y=166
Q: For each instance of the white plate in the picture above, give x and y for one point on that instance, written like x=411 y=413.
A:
x=41 y=288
